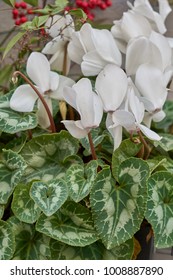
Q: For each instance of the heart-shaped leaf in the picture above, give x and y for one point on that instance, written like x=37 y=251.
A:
x=12 y=168
x=80 y=179
x=72 y=224
x=119 y=210
x=7 y=241
x=23 y=206
x=30 y=244
x=46 y=155
x=126 y=149
x=49 y=196
x=160 y=208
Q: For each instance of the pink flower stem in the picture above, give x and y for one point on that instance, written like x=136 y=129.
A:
x=52 y=124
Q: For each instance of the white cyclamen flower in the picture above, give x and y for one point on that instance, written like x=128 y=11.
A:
x=93 y=49
x=61 y=29
x=156 y=20
x=48 y=83
x=130 y=118
x=87 y=103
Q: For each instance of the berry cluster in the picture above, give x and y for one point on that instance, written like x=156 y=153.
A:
x=20 y=12
x=88 y=5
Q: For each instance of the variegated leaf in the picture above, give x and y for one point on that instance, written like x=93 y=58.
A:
x=46 y=154
x=80 y=179
x=30 y=244
x=62 y=251
x=166 y=143
x=95 y=251
x=72 y=224
x=121 y=252
x=12 y=168
x=49 y=196
x=160 y=208
x=2 y=208
x=12 y=121
x=126 y=149
x=24 y=208
x=7 y=241
x=118 y=210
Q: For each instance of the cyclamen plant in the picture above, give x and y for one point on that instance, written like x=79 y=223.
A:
x=85 y=190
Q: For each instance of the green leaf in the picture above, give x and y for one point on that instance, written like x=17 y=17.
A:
x=32 y=2
x=49 y=196
x=46 y=155
x=5 y=73
x=160 y=208
x=2 y=208
x=23 y=206
x=10 y=2
x=12 y=42
x=119 y=210
x=72 y=224
x=11 y=121
x=121 y=252
x=166 y=143
x=30 y=244
x=61 y=3
x=61 y=251
x=12 y=168
x=7 y=241
x=80 y=179
x=126 y=149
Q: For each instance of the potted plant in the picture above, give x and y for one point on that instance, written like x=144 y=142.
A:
x=86 y=161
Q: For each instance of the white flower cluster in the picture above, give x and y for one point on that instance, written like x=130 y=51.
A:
x=132 y=63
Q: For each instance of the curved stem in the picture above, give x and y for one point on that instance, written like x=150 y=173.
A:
x=94 y=156
x=52 y=124
x=147 y=148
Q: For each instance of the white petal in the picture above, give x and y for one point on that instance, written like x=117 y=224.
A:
x=57 y=62
x=23 y=99
x=150 y=54
x=134 y=25
x=108 y=49
x=116 y=133
x=86 y=38
x=164 y=8
x=136 y=107
x=54 y=25
x=111 y=85
x=69 y=95
x=74 y=128
x=149 y=133
x=92 y=64
x=54 y=46
x=84 y=102
x=125 y=119
x=163 y=45
x=75 y=48
x=159 y=116
x=54 y=80
x=38 y=69
x=63 y=81
x=43 y=118
x=150 y=82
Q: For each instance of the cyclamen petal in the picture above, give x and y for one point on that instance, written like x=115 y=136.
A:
x=38 y=69
x=149 y=133
x=111 y=85
x=75 y=129
x=23 y=99
x=42 y=115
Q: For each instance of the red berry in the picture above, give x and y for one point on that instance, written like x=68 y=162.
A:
x=15 y=12
x=21 y=14
x=23 y=5
x=23 y=19
x=30 y=11
x=17 y=5
x=17 y=22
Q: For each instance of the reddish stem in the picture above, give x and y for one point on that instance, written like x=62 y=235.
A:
x=52 y=124
x=94 y=156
